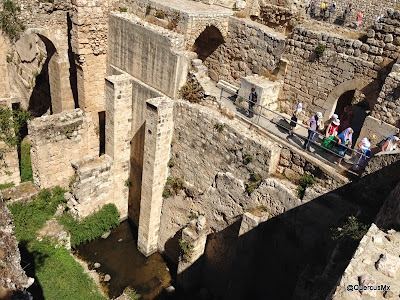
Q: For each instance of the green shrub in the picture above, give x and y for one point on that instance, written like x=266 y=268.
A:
x=186 y=250
x=351 y=230
x=26 y=166
x=248 y=158
x=253 y=183
x=9 y=21
x=173 y=186
x=128 y=183
x=160 y=14
x=148 y=9
x=11 y=123
x=319 y=51
x=72 y=180
x=191 y=92
x=92 y=226
x=193 y=216
x=6 y=185
x=123 y=9
x=176 y=18
x=171 y=163
x=306 y=181
x=219 y=127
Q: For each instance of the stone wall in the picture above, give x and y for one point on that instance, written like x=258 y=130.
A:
x=387 y=108
x=249 y=48
x=203 y=145
x=375 y=263
x=388 y=217
x=10 y=171
x=56 y=140
x=152 y=54
x=370 y=8
x=12 y=277
x=91 y=184
x=374 y=128
x=4 y=79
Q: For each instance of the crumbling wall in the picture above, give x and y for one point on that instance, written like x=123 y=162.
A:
x=388 y=217
x=91 y=184
x=387 y=108
x=10 y=171
x=12 y=277
x=249 y=48
x=152 y=54
x=56 y=140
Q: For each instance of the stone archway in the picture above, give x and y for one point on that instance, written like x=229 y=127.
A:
x=50 y=84
x=366 y=86
x=208 y=41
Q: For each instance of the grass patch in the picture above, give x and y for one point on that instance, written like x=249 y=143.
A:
x=26 y=166
x=30 y=217
x=60 y=276
x=219 y=127
x=319 y=50
x=6 y=185
x=248 y=158
x=57 y=273
x=123 y=9
x=92 y=226
x=132 y=293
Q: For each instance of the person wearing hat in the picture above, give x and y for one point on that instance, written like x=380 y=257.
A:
x=331 y=132
x=313 y=124
x=391 y=142
x=295 y=115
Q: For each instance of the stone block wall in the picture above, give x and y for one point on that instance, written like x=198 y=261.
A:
x=150 y=53
x=374 y=127
x=10 y=171
x=388 y=217
x=387 y=108
x=199 y=150
x=376 y=262
x=92 y=183
x=56 y=140
x=4 y=79
x=249 y=48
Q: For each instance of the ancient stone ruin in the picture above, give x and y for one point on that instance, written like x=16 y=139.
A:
x=144 y=104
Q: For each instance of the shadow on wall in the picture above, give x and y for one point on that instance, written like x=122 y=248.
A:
x=207 y=42
x=40 y=100
x=288 y=256
x=73 y=80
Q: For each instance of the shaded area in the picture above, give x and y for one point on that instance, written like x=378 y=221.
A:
x=102 y=132
x=207 y=42
x=293 y=255
x=72 y=66
x=40 y=100
x=119 y=257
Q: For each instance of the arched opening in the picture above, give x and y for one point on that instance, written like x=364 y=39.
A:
x=40 y=99
x=359 y=111
x=207 y=42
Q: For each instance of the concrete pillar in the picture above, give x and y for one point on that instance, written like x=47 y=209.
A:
x=118 y=131
x=157 y=144
x=60 y=87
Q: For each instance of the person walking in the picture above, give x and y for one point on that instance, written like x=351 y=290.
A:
x=359 y=19
x=313 y=124
x=345 y=140
x=331 y=132
x=390 y=143
x=346 y=13
x=252 y=101
x=293 y=120
x=332 y=9
x=363 y=154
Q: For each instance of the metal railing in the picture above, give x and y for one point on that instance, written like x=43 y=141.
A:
x=235 y=98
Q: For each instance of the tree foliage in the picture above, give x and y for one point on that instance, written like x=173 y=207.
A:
x=9 y=21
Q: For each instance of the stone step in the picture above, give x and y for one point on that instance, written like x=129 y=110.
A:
x=204 y=80
x=196 y=62
x=201 y=68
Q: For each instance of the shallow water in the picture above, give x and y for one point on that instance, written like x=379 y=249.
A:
x=126 y=265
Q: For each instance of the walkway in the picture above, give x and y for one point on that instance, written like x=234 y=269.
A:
x=278 y=125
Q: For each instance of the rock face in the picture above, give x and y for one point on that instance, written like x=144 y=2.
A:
x=12 y=277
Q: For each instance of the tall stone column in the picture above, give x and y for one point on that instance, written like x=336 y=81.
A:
x=157 y=144
x=60 y=87
x=118 y=131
